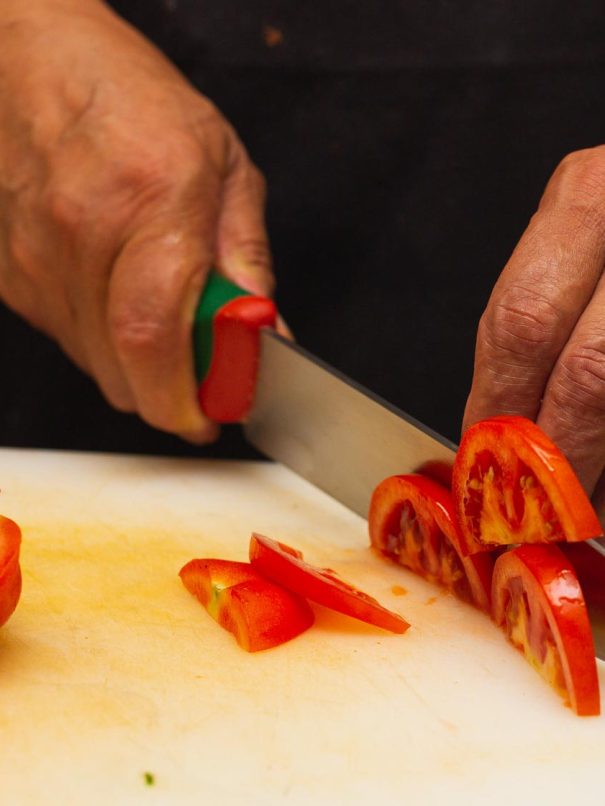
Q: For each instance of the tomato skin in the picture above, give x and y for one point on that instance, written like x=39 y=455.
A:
x=259 y=613
x=286 y=566
x=10 y=571
x=538 y=601
x=412 y=521
x=511 y=484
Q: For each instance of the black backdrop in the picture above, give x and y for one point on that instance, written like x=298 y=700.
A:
x=405 y=144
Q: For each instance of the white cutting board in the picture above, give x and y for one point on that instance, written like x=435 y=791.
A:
x=109 y=669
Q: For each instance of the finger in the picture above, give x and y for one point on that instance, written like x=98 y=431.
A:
x=243 y=253
x=88 y=287
x=153 y=292
x=541 y=292
x=93 y=334
x=284 y=329
x=573 y=409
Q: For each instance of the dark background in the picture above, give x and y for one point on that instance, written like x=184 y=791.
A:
x=405 y=145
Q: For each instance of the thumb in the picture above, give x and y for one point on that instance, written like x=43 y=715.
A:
x=242 y=249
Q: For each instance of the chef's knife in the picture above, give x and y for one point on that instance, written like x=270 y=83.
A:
x=303 y=413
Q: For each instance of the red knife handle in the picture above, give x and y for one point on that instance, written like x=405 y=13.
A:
x=226 y=340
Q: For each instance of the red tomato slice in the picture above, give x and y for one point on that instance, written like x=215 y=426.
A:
x=412 y=522
x=10 y=571
x=511 y=485
x=538 y=601
x=258 y=613
x=286 y=566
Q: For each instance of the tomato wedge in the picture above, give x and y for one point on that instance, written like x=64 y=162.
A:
x=538 y=601
x=260 y=614
x=286 y=566
x=511 y=484
x=10 y=571
x=412 y=522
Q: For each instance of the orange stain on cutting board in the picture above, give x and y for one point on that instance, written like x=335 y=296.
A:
x=398 y=590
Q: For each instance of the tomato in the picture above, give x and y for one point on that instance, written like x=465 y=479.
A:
x=258 y=613
x=511 y=484
x=412 y=522
x=10 y=571
x=538 y=601
x=286 y=566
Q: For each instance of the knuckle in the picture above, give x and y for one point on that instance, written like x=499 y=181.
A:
x=581 y=187
x=519 y=323
x=581 y=379
x=144 y=175
x=20 y=253
x=207 y=113
x=258 y=180
x=66 y=208
x=138 y=336
x=179 y=151
x=159 y=168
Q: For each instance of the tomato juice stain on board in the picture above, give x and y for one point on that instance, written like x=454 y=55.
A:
x=398 y=590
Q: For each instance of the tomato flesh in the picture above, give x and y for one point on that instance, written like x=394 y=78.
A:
x=511 y=484
x=538 y=602
x=259 y=613
x=412 y=522
x=10 y=570
x=286 y=566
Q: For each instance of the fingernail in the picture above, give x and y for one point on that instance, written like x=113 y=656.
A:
x=283 y=329
x=250 y=278
x=207 y=435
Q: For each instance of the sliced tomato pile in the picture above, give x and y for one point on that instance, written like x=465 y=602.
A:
x=490 y=540
x=264 y=602
x=513 y=485
x=412 y=522
x=10 y=571
x=510 y=485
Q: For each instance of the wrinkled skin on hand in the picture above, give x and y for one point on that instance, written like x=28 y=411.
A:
x=541 y=341
x=120 y=185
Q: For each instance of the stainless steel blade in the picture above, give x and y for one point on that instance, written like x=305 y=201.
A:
x=333 y=432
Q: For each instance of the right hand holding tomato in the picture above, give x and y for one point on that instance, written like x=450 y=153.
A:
x=120 y=186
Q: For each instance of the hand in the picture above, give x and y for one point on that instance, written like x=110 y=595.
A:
x=120 y=186
x=541 y=341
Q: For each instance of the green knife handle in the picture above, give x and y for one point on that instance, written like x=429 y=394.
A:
x=226 y=342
